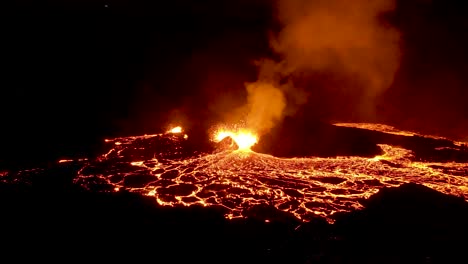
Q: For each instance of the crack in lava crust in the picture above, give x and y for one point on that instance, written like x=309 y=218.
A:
x=160 y=166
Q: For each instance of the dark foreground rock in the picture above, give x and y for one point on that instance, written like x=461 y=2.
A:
x=52 y=219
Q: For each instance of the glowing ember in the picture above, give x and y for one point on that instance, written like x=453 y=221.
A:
x=244 y=139
x=176 y=130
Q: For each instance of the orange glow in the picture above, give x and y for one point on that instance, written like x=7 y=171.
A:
x=240 y=179
x=244 y=139
x=176 y=130
x=137 y=163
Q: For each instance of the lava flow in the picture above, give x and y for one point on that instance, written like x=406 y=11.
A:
x=240 y=180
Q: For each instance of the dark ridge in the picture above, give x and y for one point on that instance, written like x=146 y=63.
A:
x=301 y=137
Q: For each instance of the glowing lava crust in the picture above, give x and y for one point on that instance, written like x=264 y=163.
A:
x=237 y=181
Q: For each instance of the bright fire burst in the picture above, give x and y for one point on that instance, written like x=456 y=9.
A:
x=176 y=130
x=244 y=138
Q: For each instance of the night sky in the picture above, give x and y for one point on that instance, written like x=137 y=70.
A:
x=75 y=72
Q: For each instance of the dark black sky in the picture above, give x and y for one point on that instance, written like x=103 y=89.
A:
x=77 y=71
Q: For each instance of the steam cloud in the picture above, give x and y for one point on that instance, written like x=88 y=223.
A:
x=266 y=105
x=342 y=37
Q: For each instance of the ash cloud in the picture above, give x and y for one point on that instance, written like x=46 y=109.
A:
x=348 y=39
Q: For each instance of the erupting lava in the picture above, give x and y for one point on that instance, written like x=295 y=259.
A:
x=241 y=182
x=243 y=138
x=176 y=130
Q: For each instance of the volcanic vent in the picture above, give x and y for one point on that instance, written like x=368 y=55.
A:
x=239 y=181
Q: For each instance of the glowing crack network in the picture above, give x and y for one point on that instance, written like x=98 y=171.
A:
x=159 y=166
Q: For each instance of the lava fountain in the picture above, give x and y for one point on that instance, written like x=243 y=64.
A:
x=175 y=130
x=243 y=138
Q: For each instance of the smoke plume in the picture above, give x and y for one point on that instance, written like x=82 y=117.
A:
x=349 y=39
x=266 y=104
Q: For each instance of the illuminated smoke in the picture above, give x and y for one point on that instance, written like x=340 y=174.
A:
x=348 y=39
x=266 y=104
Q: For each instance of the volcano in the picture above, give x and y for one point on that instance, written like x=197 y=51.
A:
x=214 y=131
x=165 y=167
x=289 y=202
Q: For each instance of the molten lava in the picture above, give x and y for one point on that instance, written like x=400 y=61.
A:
x=238 y=181
x=243 y=138
x=176 y=130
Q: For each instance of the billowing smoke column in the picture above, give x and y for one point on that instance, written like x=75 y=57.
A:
x=345 y=38
x=266 y=104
